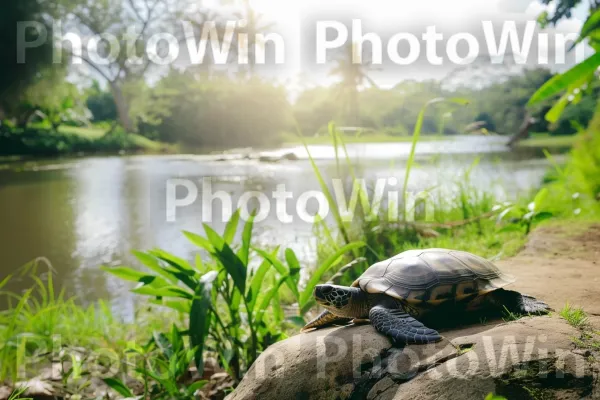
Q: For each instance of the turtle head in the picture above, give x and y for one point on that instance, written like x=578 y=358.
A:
x=342 y=301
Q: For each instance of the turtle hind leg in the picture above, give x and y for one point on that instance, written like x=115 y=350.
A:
x=518 y=303
x=401 y=327
x=325 y=319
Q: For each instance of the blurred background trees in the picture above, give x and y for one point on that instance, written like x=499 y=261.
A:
x=209 y=106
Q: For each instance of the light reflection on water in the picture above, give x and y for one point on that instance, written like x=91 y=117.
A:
x=87 y=212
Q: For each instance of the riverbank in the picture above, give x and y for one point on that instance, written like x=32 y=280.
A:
x=545 y=140
x=557 y=264
x=472 y=221
x=325 y=139
x=42 y=142
x=553 y=356
x=536 y=141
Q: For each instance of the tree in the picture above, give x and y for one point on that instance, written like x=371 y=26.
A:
x=579 y=81
x=14 y=76
x=54 y=99
x=101 y=103
x=255 y=25
x=130 y=23
x=352 y=76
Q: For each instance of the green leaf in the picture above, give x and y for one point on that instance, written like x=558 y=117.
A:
x=267 y=299
x=323 y=268
x=492 y=396
x=125 y=273
x=179 y=306
x=167 y=291
x=195 y=387
x=199 y=241
x=174 y=261
x=592 y=24
x=233 y=265
x=5 y=281
x=539 y=217
x=578 y=75
x=183 y=270
x=200 y=317
x=153 y=264
x=257 y=281
x=510 y=228
x=119 y=387
x=281 y=269
x=215 y=239
x=415 y=139
x=244 y=251
x=293 y=264
x=231 y=227
x=553 y=115
x=540 y=198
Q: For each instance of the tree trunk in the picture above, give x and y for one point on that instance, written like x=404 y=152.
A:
x=122 y=107
x=523 y=131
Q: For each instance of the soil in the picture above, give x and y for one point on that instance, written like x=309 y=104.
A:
x=559 y=265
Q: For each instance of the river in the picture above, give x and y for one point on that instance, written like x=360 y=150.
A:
x=85 y=212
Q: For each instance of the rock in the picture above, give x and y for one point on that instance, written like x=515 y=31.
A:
x=4 y=392
x=528 y=358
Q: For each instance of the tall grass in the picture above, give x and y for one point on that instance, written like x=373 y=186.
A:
x=40 y=319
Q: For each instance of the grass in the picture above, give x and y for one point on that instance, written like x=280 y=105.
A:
x=575 y=316
x=92 y=132
x=96 y=132
x=37 y=140
x=42 y=322
x=41 y=313
x=545 y=140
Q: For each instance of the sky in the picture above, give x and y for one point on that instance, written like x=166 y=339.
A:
x=294 y=20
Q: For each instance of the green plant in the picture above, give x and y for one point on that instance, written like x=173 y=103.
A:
x=233 y=308
x=526 y=217
x=16 y=394
x=575 y=316
x=509 y=316
x=165 y=361
x=492 y=396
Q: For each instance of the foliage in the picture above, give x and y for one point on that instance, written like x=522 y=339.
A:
x=226 y=299
x=15 y=77
x=44 y=142
x=101 y=104
x=492 y=396
x=165 y=362
x=520 y=217
x=217 y=112
x=352 y=77
x=41 y=314
x=575 y=316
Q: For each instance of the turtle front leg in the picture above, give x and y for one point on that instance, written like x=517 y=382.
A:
x=325 y=319
x=401 y=327
x=518 y=303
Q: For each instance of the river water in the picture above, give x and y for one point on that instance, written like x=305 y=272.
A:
x=85 y=212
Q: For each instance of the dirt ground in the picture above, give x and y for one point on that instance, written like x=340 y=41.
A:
x=560 y=264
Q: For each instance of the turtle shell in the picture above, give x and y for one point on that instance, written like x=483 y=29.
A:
x=432 y=276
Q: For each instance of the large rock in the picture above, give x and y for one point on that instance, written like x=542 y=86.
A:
x=528 y=358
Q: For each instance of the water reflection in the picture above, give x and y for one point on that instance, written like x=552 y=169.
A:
x=88 y=212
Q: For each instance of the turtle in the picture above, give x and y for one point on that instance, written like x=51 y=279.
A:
x=396 y=294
